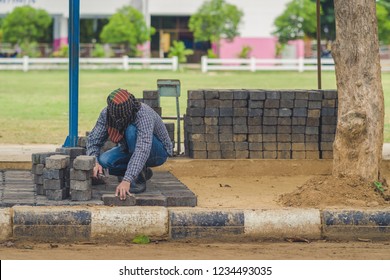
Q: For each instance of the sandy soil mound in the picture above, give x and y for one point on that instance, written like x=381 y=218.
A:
x=325 y=191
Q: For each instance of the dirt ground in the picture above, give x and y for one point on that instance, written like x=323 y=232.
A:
x=254 y=184
x=197 y=250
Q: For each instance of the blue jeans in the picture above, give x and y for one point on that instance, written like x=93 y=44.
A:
x=116 y=159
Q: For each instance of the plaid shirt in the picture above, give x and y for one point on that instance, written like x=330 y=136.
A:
x=148 y=123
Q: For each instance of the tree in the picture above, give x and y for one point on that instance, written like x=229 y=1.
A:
x=1 y=31
x=215 y=20
x=25 y=25
x=383 y=16
x=328 y=27
x=359 y=136
x=128 y=27
x=297 y=21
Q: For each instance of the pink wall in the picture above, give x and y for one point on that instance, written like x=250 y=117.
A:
x=300 y=45
x=261 y=47
x=60 y=42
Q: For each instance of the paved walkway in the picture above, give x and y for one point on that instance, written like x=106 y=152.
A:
x=17 y=188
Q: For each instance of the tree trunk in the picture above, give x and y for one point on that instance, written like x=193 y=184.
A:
x=359 y=136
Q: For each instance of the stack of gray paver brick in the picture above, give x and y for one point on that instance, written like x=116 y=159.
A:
x=255 y=124
x=38 y=165
x=80 y=178
x=72 y=152
x=54 y=181
x=269 y=124
x=171 y=132
x=305 y=125
x=328 y=123
x=152 y=98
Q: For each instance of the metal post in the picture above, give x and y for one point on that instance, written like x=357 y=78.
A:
x=74 y=42
x=319 y=43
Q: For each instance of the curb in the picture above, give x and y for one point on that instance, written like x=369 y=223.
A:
x=74 y=223
x=347 y=224
x=5 y=223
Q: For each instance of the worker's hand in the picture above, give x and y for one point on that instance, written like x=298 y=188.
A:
x=122 y=190
x=98 y=169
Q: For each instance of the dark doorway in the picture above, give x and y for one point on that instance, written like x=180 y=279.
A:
x=171 y=28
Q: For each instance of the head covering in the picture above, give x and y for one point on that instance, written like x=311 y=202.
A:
x=122 y=108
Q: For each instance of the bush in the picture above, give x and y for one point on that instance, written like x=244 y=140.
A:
x=245 y=52
x=211 y=54
x=30 y=49
x=63 y=51
x=98 y=51
x=179 y=49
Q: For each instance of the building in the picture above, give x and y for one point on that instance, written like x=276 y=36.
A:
x=170 y=19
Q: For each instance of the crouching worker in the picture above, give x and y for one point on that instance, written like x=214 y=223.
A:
x=142 y=139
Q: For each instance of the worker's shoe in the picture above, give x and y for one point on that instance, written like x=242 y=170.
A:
x=148 y=173
x=139 y=185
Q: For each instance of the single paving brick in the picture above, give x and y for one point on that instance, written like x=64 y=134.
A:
x=80 y=174
x=257 y=95
x=57 y=194
x=155 y=200
x=53 y=173
x=195 y=94
x=242 y=154
x=37 y=168
x=57 y=161
x=81 y=185
x=76 y=195
x=150 y=94
x=112 y=200
x=53 y=184
x=84 y=162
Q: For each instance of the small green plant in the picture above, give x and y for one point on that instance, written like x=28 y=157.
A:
x=98 y=51
x=211 y=54
x=141 y=239
x=279 y=47
x=30 y=49
x=379 y=186
x=63 y=51
x=179 y=49
x=245 y=52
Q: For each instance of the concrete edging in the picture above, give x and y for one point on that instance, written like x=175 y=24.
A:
x=5 y=223
x=75 y=223
x=283 y=223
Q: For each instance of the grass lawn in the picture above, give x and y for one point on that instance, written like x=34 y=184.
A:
x=34 y=105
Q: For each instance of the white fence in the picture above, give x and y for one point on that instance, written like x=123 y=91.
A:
x=207 y=64
x=277 y=64
x=124 y=63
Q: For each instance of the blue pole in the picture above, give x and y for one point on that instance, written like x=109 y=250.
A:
x=74 y=42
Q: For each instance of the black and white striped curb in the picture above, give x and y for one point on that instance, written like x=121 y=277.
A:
x=73 y=223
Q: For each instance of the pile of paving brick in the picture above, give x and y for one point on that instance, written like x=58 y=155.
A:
x=260 y=124
x=152 y=98
x=63 y=174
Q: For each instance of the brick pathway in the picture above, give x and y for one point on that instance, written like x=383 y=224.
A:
x=17 y=188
